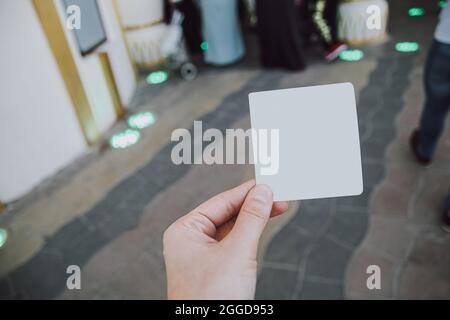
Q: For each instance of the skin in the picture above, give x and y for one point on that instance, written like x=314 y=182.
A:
x=210 y=253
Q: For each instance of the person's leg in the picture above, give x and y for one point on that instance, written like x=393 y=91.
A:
x=321 y=22
x=446 y=216
x=324 y=17
x=437 y=103
x=330 y=16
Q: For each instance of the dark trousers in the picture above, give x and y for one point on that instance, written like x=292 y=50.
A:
x=437 y=103
x=278 y=26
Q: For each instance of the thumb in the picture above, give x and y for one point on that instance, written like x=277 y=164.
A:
x=252 y=218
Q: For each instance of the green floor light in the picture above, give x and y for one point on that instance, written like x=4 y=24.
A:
x=124 y=139
x=416 y=12
x=141 y=120
x=157 y=77
x=351 y=55
x=441 y=4
x=204 y=45
x=407 y=46
x=3 y=237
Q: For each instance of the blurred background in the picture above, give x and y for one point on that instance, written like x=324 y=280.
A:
x=92 y=90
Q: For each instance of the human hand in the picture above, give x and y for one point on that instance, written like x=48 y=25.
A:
x=210 y=253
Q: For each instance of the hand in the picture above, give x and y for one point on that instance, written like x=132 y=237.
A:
x=210 y=253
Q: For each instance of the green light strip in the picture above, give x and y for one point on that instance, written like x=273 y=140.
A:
x=124 y=139
x=141 y=120
x=416 y=12
x=351 y=55
x=157 y=77
x=407 y=46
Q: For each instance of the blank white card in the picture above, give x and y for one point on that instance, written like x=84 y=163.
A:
x=314 y=151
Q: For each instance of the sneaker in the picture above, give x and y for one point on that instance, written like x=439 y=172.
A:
x=334 y=50
x=446 y=215
x=414 y=144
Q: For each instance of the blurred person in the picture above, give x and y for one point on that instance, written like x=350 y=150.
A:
x=278 y=32
x=424 y=139
x=191 y=21
x=324 y=18
x=222 y=32
x=210 y=253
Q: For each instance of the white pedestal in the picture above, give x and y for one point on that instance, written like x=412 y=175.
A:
x=362 y=21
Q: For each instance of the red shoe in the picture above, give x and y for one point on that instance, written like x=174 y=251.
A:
x=334 y=50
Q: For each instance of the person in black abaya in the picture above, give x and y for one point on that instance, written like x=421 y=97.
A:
x=192 y=28
x=278 y=30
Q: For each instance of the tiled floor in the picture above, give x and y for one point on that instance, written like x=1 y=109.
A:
x=107 y=212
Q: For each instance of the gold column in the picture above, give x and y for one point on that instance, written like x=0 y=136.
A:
x=124 y=38
x=53 y=29
x=111 y=82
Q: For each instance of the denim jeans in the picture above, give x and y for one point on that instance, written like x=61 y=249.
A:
x=437 y=102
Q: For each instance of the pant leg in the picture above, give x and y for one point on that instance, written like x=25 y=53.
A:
x=324 y=17
x=330 y=16
x=437 y=102
x=447 y=202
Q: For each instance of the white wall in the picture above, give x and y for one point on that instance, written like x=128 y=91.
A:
x=91 y=72
x=118 y=55
x=39 y=131
x=135 y=12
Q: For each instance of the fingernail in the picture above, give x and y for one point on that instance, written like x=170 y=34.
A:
x=263 y=192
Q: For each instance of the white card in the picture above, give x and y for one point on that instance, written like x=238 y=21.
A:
x=318 y=150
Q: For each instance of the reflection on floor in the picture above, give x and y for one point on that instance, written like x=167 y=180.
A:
x=108 y=211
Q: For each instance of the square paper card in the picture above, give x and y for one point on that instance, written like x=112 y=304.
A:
x=306 y=142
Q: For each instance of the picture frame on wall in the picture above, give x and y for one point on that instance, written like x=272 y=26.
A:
x=91 y=33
